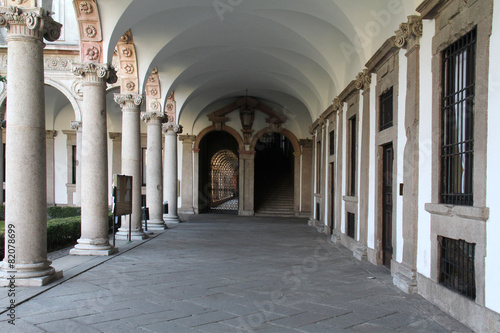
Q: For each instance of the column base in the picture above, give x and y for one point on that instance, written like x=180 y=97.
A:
x=336 y=237
x=91 y=247
x=29 y=275
x=360 y=253
x=137 y=234
x=171 y=218
x=246 y=213
x=188 y=211
x=155 y=225
x=404 y=278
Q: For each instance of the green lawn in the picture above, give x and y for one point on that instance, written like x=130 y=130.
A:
x=2 y=226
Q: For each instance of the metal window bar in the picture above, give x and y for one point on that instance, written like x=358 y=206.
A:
x=457 y=266
x=386 y=109
x=350 y=225
x=332 y=143
x=457 y=149
x=73 y=164
x=353 y=146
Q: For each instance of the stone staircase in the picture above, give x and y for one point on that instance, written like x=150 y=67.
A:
x=276 y=201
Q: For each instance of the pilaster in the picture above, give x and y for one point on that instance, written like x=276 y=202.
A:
x=187 y=202
x=246 y=184
x=26 y=164
x=50 y=135
x=170 y=193
x=77 y=126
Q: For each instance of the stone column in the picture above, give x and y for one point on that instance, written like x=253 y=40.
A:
x=131 y=162
x=26 y=190
x=154 y=181
x=2 y=126
x=187 y=174
x=77 y=126
x=95 y=238
x=170 y=171
x=246 y=183
x=50 y=135
x=406 y=277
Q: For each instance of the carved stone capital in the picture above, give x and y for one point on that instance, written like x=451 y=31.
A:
x=337 y=104
x=128 y=100
x=187 y=139
x=363 y=80
x=51 y=134
x=36 y=22
x=76 y=125
x=173 y=128
x=152 y=117
x=91 y=72
x=411 y=29
x=306 y=143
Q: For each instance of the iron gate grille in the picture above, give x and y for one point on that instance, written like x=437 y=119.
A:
x=224 y=181
x=458 y=121
x=457 y=266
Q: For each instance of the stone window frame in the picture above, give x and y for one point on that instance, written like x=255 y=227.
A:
x=453 y=221
x=387 y=78
x=70 y=187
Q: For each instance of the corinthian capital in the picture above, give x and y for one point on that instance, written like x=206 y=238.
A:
x=171 y=127
x=152 y=117
x=95 y=72
x=411 y=29
x=30 y=21
x=76 y=125
x=363 y=80
x=337 y=104
x=128 y=99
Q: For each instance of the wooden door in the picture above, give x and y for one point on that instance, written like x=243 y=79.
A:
x=387 y=204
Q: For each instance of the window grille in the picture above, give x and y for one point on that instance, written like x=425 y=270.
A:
x=457 y=149
x=73 y=164
x=332 y=143
x=352 y=151
x=350 y=225
x=457 y=266
x=386 y=110
x=318 y=211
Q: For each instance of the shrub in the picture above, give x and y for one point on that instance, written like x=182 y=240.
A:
x=62 y=232
x=61 y=212
x=2 y=212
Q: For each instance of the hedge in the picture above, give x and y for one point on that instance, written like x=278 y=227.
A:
x=61 y=212
x=61 y=232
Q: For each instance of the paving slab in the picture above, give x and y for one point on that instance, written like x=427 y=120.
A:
x=222 y=273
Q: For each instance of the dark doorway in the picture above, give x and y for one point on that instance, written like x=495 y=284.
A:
x=274 y=190
x=387 y=204
x=219 y=169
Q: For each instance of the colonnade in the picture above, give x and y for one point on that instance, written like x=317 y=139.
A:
x=26 y=156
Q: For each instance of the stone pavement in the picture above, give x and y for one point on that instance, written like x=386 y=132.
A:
x=221 y=273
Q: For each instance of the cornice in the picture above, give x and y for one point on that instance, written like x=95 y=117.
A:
x=430 y=8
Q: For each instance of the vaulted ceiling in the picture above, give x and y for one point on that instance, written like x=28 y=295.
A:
x=296 y=55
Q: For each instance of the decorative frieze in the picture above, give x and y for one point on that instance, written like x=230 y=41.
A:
x=33 y=21
x=411 y=29
x=57 y=63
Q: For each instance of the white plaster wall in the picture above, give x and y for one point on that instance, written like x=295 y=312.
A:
x=326 y=174
x=492 y=268
x=344 y=167
x=62 y=122
x=361 y=117
x=425 y=151
x=372 y=165
x=400 y=148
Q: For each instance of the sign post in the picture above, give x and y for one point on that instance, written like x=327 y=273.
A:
x=122 y=200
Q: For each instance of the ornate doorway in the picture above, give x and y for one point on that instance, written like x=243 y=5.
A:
x=219 y=171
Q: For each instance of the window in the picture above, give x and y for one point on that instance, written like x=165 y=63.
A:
x=332 y=143
x=457 y=146
x=350 y=224
x=386 y=110
x=73 y=164
x=352 y=154
x=144 y=165
x=457 y=266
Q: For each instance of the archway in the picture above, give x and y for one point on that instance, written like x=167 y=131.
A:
x=218 y=177
x=274 y=175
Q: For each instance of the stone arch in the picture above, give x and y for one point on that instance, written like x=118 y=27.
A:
x=224 y=128
x=289 y=135
x=71 y=98
x=90 y=29
x=127 y=58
